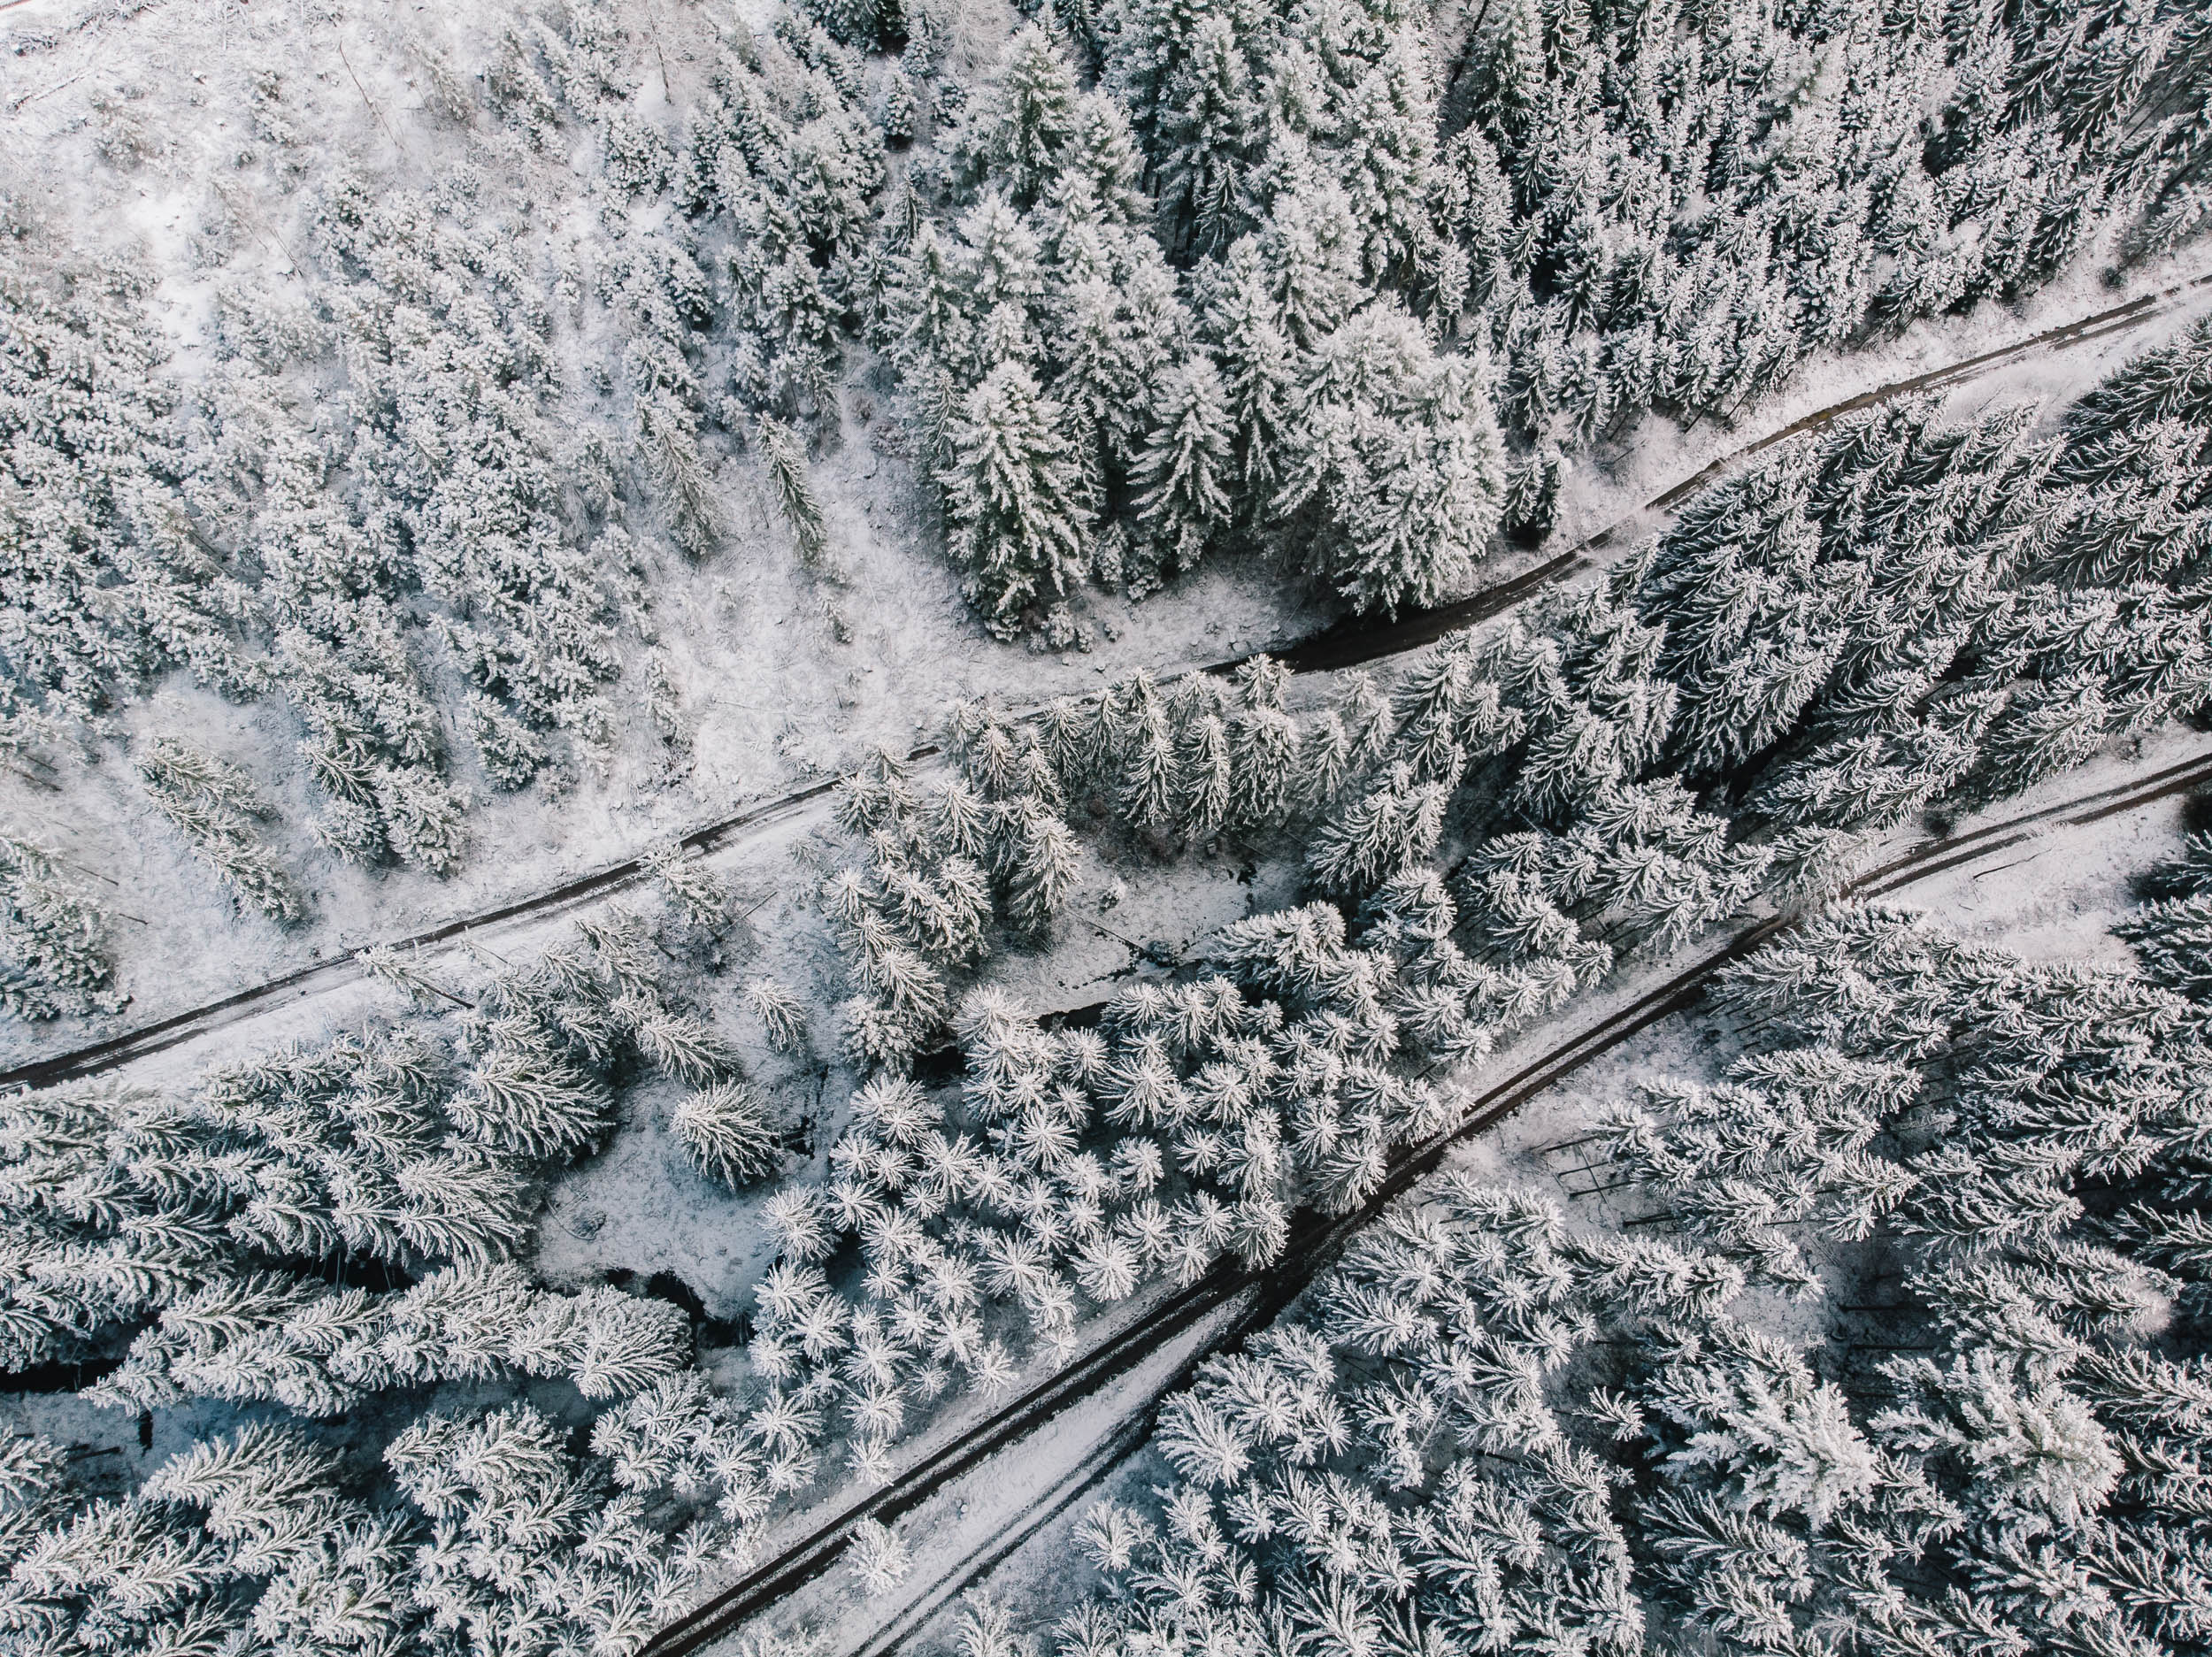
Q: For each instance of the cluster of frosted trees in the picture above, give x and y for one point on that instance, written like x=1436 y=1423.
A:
x=1077 y=1165
x=520 y=424
x=1897 y=614
x=102 y=577
x=53 y=937
x=318 y=1229
x=784 y=163
x=1183 y=763
x=489 y=1533
x=208 y=1221
x=265 y=555
x=1160 y=281
x=942 y=867
x=1089 y=410
x=1491 y=1424
x=469 y=474
x=1669 y=205
x=1200 y=301
x=1910 y=611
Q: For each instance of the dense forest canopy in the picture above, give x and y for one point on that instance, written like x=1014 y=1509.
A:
x=390 y=481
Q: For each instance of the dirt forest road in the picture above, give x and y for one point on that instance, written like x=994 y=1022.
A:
x=1568 y=1046
x=1349 y=645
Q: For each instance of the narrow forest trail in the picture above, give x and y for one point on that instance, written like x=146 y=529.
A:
x=1333 y=649
x=1568 y=1045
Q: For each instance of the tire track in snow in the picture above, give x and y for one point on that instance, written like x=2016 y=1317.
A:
x=1349 y=645
x=1314 y=1242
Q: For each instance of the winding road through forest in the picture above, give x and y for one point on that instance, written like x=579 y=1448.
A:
x=1348 y=645
x=1314 y=1242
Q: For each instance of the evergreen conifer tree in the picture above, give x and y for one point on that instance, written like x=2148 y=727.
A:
x=52 y=954
x=1018 y=523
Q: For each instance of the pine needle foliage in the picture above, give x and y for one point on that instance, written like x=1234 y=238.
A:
x=215 y=806
x=729 y=1133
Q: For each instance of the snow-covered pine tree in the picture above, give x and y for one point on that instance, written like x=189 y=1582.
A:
x=692 y=889
x=782 y=1015
x=1183 y=473
x=271 y=1337
x=1013 y=496
x=729 y=1134
x=1393 y=825
x=787 y=462
x=53 y=954
x=215 y=805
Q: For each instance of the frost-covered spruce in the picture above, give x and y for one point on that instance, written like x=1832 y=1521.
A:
x=692 y=889
x=215 y=805
x=1013 y=499
x=1183 y=471
x=1394 y=824
x=786 y=461
x=53 y=954
x=782 y=1015
x=729 y=1133
x=677 y=1044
